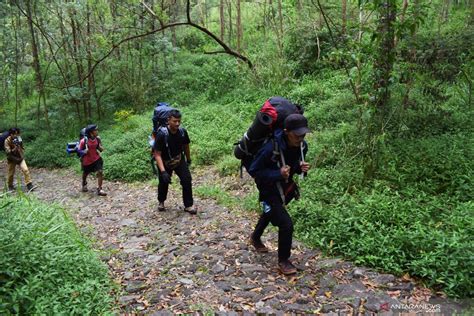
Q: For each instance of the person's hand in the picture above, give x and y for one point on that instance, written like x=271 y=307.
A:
x=188 y=161
x=165 y=177
x=285 y=172
x=305 y=166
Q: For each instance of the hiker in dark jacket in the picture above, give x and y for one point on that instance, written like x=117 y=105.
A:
x=91 y=161
x=273 y=169
x=15 y=157
x=172 y=154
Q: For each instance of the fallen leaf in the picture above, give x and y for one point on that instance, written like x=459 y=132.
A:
x=394 y=293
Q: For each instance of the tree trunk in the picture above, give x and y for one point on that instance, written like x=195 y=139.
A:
x=280 y=19
x=229 y=7
x=221 y=20
x=37 y=69
x=445 y=12
x=174 y=15
x=90 y=79
x=17 y=101
x=239 y=27
x=382 y=72
x=78 y=62
x=67 y=70
x=344 y=17
x=402 y=17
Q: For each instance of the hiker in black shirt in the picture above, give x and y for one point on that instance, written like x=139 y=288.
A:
x=171 y=151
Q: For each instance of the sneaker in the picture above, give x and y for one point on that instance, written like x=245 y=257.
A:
x=190 y=210
x=258 y=244
x=30 y=187
x=161 y=207
x=84 y=188
x=286 y=267
x=101 y=192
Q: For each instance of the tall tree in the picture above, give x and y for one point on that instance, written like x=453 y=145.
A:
x=382 y=77
x=221 y=19
x=37 y=67
x=239 y=27
x=343 y=16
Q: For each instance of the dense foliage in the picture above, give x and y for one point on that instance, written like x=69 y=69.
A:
x=390 y=104
x=46 y=265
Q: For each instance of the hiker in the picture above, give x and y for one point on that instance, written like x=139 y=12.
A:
x=15 y=157
x=91 y=161
x=273 y=169
x=171 y=151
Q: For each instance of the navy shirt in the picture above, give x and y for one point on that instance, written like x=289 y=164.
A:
x=266 y=171
x=176 y=143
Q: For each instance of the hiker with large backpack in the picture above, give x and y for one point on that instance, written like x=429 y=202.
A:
x=172 y=154
x=89 y=149
x=160 y=117
x=273 y=169
x=15 y=157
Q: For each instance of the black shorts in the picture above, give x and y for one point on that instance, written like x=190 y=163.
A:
x=94 y=167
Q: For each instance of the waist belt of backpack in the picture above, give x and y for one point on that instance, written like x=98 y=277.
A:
x=278 y=151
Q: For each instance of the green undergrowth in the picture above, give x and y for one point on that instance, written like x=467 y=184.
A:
x=46 y=266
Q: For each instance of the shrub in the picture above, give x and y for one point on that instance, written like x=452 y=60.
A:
x=46 y=266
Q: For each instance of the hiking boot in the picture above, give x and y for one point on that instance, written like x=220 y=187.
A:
x=161 y=207
x=101 y=192
x=190 y=210
x=258 y=244
x=84 y=188
x=286 y=267
x=30 y=187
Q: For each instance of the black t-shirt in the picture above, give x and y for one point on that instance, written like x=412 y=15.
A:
x=176 y=143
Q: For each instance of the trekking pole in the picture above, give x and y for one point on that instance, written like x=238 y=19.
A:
x=302 y=174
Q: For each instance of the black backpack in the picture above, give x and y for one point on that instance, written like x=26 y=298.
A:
x=269 y=118
x=3 y=137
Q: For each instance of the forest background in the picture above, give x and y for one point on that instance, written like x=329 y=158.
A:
x=386 y=86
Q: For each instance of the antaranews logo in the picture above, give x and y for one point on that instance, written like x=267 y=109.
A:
x=425 y=308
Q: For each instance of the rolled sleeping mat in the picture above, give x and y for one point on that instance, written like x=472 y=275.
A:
x=254 y=137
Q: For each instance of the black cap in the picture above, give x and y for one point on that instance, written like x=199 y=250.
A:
x=297 y=124
x=90 y=128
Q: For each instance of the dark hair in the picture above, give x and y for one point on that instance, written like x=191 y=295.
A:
x=175 y=114
x=14 y=130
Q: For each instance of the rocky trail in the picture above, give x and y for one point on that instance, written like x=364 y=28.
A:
x=175 y=262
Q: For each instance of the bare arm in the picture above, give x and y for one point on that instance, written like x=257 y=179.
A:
x=187 y=152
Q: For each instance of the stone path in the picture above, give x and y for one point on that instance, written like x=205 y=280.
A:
x=174 y=262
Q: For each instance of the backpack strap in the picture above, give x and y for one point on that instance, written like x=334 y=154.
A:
x=280 y=163
x=166 y=133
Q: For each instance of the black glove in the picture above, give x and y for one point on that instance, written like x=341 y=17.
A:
x=188 y=162
x=165 y=177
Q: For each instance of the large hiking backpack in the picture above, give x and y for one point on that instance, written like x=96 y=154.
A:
x=3 y=137
x=269 y=118
x=161 y=114
x=73 y=147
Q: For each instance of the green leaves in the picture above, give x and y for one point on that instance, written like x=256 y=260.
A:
x=46 y=266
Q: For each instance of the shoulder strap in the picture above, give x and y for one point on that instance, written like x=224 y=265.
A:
x=166 y=134
x=280 y=162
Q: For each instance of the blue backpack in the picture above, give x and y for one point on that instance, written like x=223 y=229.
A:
x=3 y=137
x=73 y=147
x=161 y=113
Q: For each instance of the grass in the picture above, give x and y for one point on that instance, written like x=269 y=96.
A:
x=46 y=266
